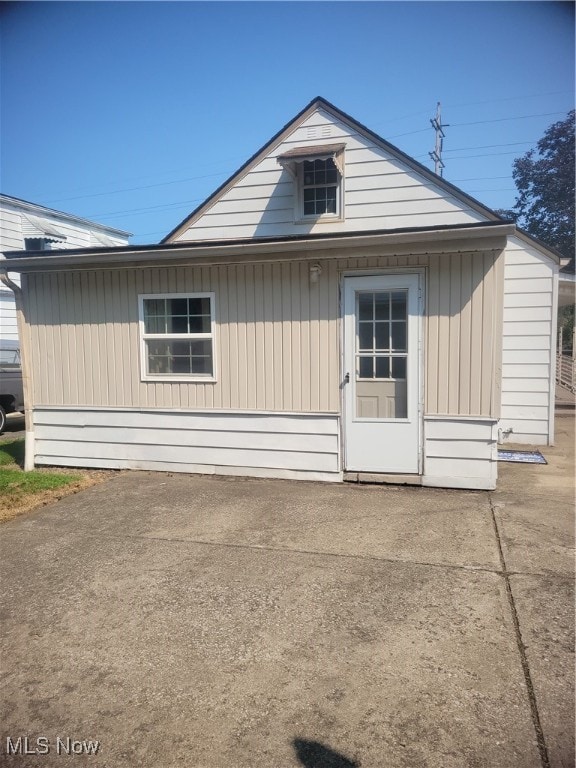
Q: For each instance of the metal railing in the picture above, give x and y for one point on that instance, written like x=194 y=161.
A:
x=566 y=371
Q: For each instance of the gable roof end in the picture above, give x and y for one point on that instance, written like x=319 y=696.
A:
x=320 y=103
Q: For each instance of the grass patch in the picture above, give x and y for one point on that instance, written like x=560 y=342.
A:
x=12 y=452
x=16 y=482
x=22 y=491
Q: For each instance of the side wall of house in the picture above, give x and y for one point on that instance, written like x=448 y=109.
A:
x=528 y=345
x=277 y=353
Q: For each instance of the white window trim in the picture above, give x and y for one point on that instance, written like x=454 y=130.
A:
x=299 y=216
x=168 y=378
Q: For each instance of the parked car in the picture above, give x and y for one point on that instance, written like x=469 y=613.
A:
x=11 y=392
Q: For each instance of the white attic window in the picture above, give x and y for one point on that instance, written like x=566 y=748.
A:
x=318 y=172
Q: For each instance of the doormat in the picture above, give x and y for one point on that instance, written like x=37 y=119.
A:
x=523 y=457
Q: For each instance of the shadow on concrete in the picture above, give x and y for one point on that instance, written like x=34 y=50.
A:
x=312 y=754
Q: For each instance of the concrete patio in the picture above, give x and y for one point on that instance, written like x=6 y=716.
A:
x=225 y=623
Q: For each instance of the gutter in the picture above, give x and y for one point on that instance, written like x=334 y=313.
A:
x=26 y=367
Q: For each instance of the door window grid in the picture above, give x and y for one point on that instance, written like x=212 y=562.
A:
x=381 y=335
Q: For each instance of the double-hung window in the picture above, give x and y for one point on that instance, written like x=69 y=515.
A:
x=320 y=182
x=177 y=337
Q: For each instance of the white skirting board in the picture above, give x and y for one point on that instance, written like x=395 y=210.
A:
x=460 y=452
x=298 y=446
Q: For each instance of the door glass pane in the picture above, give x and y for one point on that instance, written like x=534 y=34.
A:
x=365 y=367
x=365 y=306
x=399 y=305
x=382 y=306
x=399 y=336
x=399 y=367
x=382 y=336
x=382 y=367
x=365 y=337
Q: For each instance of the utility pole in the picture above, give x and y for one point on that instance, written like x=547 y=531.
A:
x=437 y=154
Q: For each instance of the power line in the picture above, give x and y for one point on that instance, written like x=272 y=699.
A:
x=135 y=189
x=488 y=146
x=508 y=98
x=504 y=119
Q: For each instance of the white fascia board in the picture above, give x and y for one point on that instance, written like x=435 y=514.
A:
x=469 y=239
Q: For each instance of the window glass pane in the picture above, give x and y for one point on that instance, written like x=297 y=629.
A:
x=308 y=195
x=200 y=324
x=399 y=305
x=382 y=306
x=177 y=306
x=365 y=336
x=399 y=336
x=199 y=306
x=365 y=306
x=157 y=347
x=382 y=335
x=201 y=347
x=180 y=364
x=399 y=368
x=154 y=307
x=178 y=324
x=365 y=367
x=155 y=324
x=330 y=199
x=382 y=367
x=309 y=208
x=202 y=365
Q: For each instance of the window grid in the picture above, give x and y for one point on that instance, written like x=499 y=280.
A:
x=381 y=335
x=177 y=336
x=320 y=180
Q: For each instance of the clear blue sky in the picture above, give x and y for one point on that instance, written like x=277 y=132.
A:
x=132 y=113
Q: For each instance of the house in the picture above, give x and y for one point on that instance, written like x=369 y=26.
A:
x=27 y=226
x=334 y=311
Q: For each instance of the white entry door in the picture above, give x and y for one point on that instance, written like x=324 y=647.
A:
x=382 y=373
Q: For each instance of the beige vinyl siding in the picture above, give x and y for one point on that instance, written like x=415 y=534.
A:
x=277 y=342
x=528 y=346
x=380 y=192
x=464 y=295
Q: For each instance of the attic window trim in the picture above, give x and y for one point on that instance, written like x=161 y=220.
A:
x=294 y=157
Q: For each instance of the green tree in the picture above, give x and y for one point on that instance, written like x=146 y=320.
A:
x=545 y=181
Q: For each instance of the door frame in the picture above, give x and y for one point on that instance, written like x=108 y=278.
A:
x=422 y=273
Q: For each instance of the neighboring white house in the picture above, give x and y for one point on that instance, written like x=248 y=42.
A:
x=334 y=311
x=26 y=226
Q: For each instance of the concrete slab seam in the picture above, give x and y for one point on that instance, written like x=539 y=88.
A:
x=541 y=741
